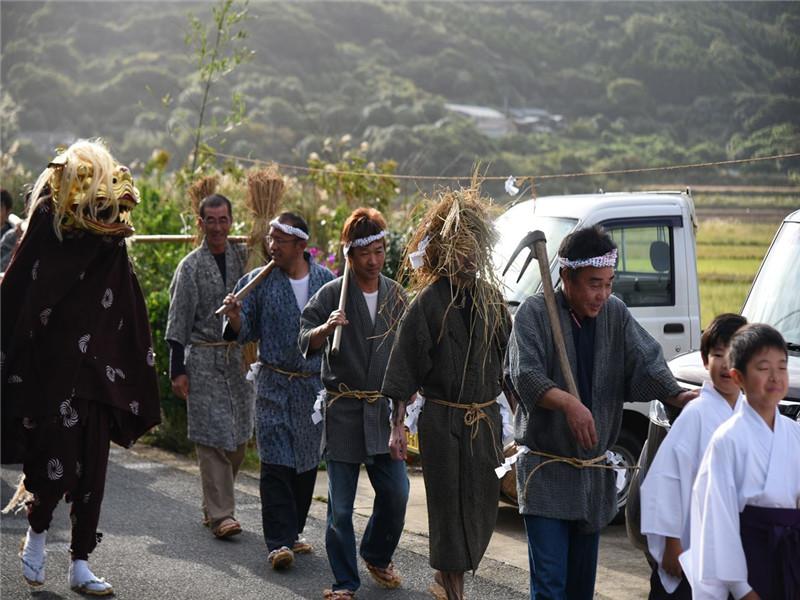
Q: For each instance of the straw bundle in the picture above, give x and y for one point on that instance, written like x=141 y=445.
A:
x=458 y=224
x=265 y=188
x=202 y=188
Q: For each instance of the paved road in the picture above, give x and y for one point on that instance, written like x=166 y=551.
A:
x=155 y=547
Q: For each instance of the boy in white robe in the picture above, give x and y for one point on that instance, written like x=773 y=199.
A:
x=666 y=492
x=745 y=522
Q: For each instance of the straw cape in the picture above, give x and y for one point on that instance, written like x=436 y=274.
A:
x=450 y=347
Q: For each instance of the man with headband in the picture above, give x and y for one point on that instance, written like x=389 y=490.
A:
x=357 y=425
x=207 y=371
x=613 y=360
x=286 y=385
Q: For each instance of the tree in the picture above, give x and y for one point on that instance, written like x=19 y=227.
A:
x=216 y=59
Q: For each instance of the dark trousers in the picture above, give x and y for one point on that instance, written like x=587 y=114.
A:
x=563 y=561
x=285 y=500
x=83 y=450
x=382 y=534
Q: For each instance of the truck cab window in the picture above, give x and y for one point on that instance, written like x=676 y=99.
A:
x=645 y=267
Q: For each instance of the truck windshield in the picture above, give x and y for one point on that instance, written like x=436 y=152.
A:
x=512 y=227
x=775 y=295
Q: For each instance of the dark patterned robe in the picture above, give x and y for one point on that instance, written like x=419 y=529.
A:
x=461 y=487
x=74 y=331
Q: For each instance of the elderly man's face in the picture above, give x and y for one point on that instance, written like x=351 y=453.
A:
x=587 y=289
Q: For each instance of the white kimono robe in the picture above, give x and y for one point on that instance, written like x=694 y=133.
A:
x=746 y=463
x=666 y=492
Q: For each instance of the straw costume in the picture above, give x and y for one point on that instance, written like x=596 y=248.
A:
x=219 y=400
x=450 y=347
x=78 y=364
x=356 y=414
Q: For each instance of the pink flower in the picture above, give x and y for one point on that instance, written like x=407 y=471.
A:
x=331 y=258
x=313 y=251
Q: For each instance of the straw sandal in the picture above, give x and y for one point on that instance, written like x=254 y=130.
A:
x=386 y=577
x=32 y=564
x=301 y=546
x=227 y=528
x=83 y=581
x=338 y=594
x=281 y=558
x=437 y=591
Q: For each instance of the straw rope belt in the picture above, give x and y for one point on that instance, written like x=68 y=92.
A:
x=290 y=374
x=578 y=463
x=345 y=392
x=217 y=345
x=473 y=414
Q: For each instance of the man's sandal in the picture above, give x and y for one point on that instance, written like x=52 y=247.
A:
x=437 y=591
x=281 y=558
x=33 y=563
x=227 y=528
x=83 y=581
x=338 y=594
x=386 y=577
x=301 y=546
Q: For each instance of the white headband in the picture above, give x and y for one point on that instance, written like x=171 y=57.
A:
x=609 y=259
x=288 y=229
x=365 y=241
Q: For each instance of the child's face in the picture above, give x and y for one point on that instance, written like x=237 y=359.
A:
x=766 y=380
x=719 y=371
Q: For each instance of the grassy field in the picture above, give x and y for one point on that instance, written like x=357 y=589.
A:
x=728 y=255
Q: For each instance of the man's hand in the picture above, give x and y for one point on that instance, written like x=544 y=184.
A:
x=398 y=445
x=682 y=399
x=581 y=423
x=336 y=318
x=233 y=311
x=670 y=562
x=180 y=387
x=751 y=595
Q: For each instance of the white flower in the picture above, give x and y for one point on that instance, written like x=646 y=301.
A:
x=134 y=406
x=110 y=373
x=151 y=357
x=120 y=373
x=15 y=379
x=35 y=270
x=313 y=156
x=345 y=138
x=45 y=315
x=83 y=342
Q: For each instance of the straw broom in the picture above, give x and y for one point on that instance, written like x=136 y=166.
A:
x=200 y=189
x=265 y=187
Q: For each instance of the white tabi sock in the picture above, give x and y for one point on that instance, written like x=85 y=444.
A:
x=81 y=578
x=33 y=556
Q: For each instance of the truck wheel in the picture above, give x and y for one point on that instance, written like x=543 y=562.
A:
x=627 y=450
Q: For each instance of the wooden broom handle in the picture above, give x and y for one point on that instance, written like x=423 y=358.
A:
x=337 y=334
x=245 y=291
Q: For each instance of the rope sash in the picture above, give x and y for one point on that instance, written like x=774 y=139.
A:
x=345 y=392
x=473 y=414
x=290 y=374
x=229 y=345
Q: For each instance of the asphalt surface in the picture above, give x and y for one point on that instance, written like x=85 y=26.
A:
x=154 y=546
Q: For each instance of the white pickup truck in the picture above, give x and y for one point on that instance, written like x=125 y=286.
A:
x=656 y=273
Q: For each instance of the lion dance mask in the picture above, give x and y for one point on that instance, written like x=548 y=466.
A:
x=88 y=190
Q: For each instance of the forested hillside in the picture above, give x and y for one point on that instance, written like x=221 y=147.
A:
x=637 y=84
